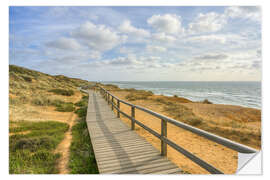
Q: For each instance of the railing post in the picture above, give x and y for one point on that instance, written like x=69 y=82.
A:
x=118 y=106
x=163 y=134
x=132 y=117
x=108 y=99
x=112 y=103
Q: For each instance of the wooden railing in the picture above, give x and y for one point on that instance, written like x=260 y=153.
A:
x=163 y=134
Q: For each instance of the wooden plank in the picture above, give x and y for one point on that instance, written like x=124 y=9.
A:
x=118 y=149
x=140 y=168
x=169 y=171
x=138 y=163
x=130 y=156
x=149 y=169
x=136 y=155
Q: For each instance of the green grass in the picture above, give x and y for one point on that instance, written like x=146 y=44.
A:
x=32 y=153
x=62 y=92
x=65 y=107
x=83 y=102
x=82 y=159
x=60 y=105
x=81 y=112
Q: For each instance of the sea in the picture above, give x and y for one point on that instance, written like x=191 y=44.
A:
x=246 y=94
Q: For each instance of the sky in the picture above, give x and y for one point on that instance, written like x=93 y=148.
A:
x=197 y=43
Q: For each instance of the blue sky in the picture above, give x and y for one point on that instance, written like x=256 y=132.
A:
x=139 y=43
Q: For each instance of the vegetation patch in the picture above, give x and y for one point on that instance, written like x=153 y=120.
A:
x=65 y=107
x=83 y=102
x=182 y=113
x=62 y=92
x=44 y=101
x=82 y=159
x=206 y=101
x=27 y=78
x=138 y=95
x=32 y=153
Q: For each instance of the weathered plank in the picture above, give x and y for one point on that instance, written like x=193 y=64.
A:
x=118 y=149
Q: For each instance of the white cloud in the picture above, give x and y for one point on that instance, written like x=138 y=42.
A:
x=209 y=22
x=64 y=44
x=152 y=48
x=126 y=27
x=129 y=60
x=168 y=23
x=98 y=37
x=163 y=38
x=245 y=12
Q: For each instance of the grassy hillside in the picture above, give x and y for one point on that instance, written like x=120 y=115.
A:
x=41 y=114
x=28 y=86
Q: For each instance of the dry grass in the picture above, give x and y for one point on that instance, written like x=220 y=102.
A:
x=31 y=99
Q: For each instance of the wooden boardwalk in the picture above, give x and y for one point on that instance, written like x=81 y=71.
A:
x=118 y=150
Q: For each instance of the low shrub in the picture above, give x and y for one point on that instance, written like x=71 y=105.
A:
x=62 y=92
x=83 y=102
x=182 y=113
x=160 y=100
x=138 y=95
x=206 y=101
x=27 y=79
x=65 y=107
x=81 y=112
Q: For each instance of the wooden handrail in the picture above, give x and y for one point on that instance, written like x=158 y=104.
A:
x=163 y=134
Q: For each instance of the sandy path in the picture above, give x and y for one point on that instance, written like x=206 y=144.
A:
x=63 y=147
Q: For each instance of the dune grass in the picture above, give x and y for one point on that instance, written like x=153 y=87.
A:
x=62 y=92
x=182 y=113
x=138 y=95
x=31 y=146
x=82 y=159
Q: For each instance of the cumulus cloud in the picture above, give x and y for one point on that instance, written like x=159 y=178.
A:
x=64 y=44
x=245 y=12
x=152 y=48
x=209 y=22
x=98 y=37
x=126 y=27
x=168 y=23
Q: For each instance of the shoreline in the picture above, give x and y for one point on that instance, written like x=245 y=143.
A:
x=190 y=99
